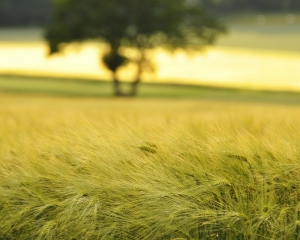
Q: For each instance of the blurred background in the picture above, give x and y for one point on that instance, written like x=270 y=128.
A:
x=260 y=51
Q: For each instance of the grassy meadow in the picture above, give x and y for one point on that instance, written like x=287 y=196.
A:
x=84 y=88
x=148 y=168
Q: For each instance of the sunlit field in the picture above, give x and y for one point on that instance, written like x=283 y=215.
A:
x=212 y=159
x=259 y=52
x=100 y=168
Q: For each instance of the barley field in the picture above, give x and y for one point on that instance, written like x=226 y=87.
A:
x=103 y=168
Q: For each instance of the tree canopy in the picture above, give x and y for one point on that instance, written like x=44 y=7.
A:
x=147 y=24
x=140 y=25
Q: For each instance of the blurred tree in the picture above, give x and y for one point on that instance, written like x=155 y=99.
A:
x=135 y=24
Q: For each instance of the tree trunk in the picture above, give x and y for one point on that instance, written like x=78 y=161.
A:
x=117 y=89
x=136 y=82
x=134 y=87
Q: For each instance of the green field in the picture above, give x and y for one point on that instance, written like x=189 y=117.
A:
x=103 y=89
x=205 y=163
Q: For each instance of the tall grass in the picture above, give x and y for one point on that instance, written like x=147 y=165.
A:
x=141 y=169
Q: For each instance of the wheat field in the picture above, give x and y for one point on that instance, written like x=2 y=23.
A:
x=148 y=169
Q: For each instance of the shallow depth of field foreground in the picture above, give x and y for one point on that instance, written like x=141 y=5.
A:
x=148 y=169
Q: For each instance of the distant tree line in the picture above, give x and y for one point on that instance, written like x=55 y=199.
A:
x=25 y=12
x=39 y=12
x=228 y=6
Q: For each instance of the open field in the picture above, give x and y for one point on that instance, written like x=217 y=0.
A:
x=259 y=52
x=103 y=89
x=272 y=31
x=103 y=168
